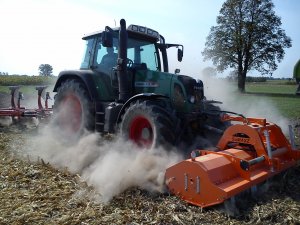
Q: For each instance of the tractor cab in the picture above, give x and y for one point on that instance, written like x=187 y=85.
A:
x=146 y=49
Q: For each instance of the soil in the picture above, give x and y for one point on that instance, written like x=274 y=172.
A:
x=36 y=193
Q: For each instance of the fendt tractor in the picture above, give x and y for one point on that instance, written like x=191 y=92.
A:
x=124 y=84
x=131 y=91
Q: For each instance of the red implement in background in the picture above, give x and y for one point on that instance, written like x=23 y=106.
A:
x=247 y=154
x=16 y=111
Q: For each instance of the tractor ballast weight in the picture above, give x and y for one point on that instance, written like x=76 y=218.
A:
x=246 y=155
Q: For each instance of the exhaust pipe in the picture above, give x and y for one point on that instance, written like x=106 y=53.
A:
x=124 y=89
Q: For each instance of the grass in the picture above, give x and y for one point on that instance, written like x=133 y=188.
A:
x=281 y=94
x=289 y=107
x=271 y=87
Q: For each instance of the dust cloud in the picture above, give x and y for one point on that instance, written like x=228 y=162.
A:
x=249 y=106
x=5 y=121
x=110 y=167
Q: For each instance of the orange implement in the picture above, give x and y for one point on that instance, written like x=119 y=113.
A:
x=247 y=154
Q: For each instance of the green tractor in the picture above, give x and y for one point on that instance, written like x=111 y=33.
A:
x=124 y=85
x=297 y=76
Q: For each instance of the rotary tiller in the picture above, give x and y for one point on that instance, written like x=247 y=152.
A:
x=248 y=153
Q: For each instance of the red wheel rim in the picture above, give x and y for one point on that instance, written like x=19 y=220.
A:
x=70 y=115
x=141 y=132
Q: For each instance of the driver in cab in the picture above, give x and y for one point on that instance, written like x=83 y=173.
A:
x=109 y=60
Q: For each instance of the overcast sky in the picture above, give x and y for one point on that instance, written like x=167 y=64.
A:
x=34 y=32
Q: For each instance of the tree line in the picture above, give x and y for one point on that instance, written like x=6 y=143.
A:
x=44 y=70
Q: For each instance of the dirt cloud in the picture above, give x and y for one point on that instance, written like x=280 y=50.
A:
x=250 y=106
x=109 y=166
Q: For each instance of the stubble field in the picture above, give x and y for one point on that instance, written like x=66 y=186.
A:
x=33 y=191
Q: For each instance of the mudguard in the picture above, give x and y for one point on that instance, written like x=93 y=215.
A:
x=142 y=96
x=85 y=76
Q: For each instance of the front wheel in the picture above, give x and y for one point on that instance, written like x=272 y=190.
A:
x=148 y=125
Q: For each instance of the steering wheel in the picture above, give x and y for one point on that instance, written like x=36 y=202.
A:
x=129 y=63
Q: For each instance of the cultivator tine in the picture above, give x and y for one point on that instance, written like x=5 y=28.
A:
x=20 y=97
x=16 y=111
x=253 y=191
x=13 y=90
x=40 y=90
x=292 y=137
x=47 y=98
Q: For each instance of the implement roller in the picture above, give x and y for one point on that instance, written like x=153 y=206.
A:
x=248 y=153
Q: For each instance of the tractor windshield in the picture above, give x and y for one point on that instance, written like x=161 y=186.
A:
x=142 y=52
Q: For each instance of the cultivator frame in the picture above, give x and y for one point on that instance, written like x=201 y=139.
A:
x=16 y=111
x=247 y=154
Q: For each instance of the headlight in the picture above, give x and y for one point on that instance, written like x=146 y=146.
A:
x=192 y=99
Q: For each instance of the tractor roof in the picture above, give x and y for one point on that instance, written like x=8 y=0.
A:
x=135 y=29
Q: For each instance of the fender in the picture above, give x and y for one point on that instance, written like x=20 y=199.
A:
x=85 y=76
x=142 y=96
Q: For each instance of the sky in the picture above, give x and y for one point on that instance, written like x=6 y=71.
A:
x=34 y=32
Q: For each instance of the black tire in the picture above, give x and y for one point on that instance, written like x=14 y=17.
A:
x=73 y=110
x=148 y=125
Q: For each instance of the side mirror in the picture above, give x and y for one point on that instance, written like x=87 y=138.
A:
x=107 y=37
x=177 y=71
x=179 y=54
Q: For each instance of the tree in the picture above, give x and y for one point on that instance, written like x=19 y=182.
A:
x=45 y=70
x=247 y=36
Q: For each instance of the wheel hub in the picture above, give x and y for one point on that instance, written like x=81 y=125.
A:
x=141 y=132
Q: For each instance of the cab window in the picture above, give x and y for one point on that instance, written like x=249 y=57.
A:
x=142 y=52
x=88 y=54
x=105 y=57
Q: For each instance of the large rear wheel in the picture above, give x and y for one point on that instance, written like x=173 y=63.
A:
x=148 y=125
x=73 y=109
